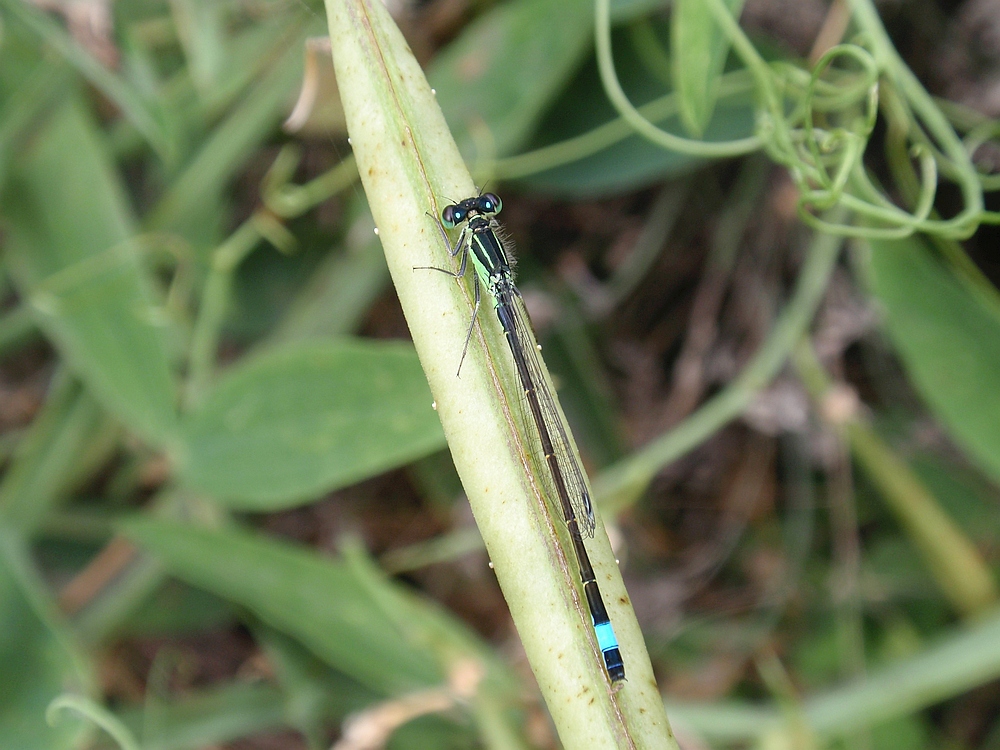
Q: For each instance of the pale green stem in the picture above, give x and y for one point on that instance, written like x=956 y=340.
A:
x=409 y=164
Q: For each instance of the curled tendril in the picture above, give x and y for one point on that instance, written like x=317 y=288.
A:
x=818 y=125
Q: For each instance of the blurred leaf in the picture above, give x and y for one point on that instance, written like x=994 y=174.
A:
x=73 y=252
x=146 y=119
x=304 y=419
x=948 y=339
x=250 y=53
x=633 y=162
x=318 y=601
x=964 y=495
x=892 y=566
x=626 y=10
x=316 y=692
x=267 y=282
x=343 y=287
x=437 y=482
x=963 y=658
x=37 y=662
x=904 y=733
x=698 y=50
x=435 y=731
x=818 y=658
x=177 y=609
x=207 y=718
x=47 y=455
x=190 y=205
x=200 y=28
x=17 y=326
x=29 y=85
x=496 y=79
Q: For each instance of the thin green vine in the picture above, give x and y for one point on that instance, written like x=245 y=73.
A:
x=818 y=125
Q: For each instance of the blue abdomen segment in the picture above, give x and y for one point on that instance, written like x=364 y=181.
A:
x=605 y=636
x=608 y=643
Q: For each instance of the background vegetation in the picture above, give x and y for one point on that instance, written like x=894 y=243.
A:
x=227 y=516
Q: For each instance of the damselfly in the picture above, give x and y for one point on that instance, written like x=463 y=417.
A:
x=479 y=240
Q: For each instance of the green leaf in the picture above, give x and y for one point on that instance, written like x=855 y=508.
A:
x=963 y=493
x=315 y=693
x=698 y=52
x=249 y=54
x=903 y=733
x=37 y=662
x=496 y=79
x=30 y=85
x=319 y=602
x=948 y=338
x=78 y=706
x=75 y=257
x=307 y=418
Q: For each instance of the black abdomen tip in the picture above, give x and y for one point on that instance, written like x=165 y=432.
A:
x=614 y=664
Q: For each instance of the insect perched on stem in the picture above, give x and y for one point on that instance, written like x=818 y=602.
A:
x=479 y=240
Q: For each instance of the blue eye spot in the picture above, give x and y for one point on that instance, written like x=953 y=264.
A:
x=491 y=203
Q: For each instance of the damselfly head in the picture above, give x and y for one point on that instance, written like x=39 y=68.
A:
x=487 y=204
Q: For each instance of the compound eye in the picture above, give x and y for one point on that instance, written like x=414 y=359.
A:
x=450 y=216
x=491 y=203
